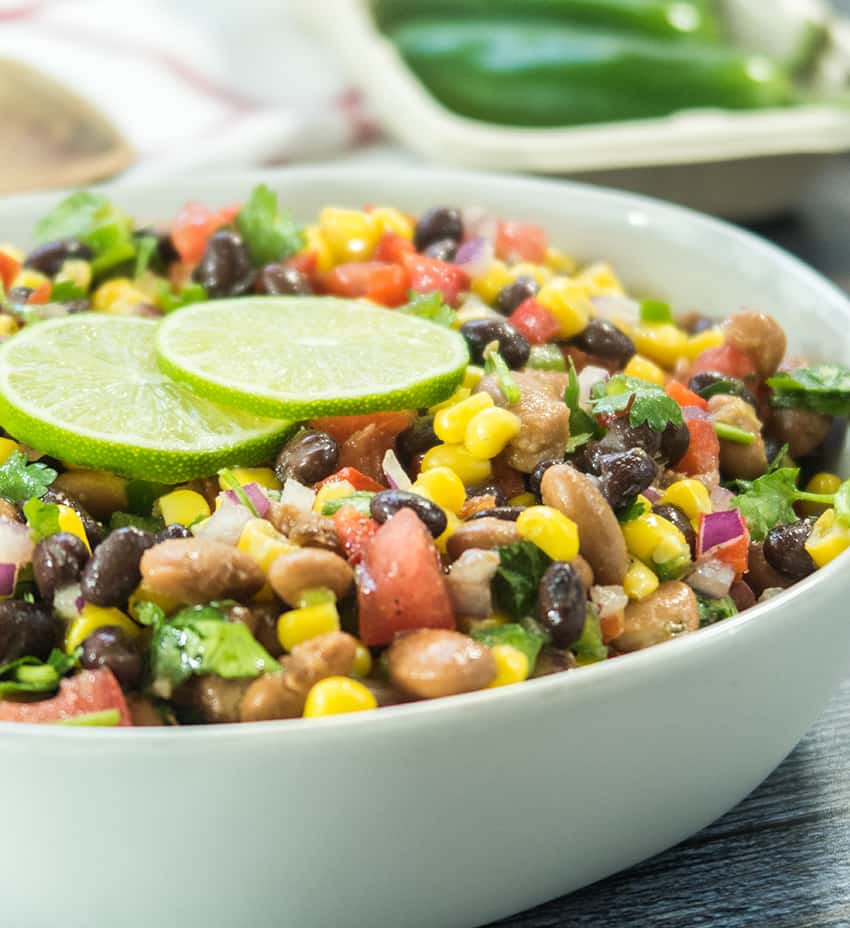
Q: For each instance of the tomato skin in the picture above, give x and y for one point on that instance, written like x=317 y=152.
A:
x=703 y=454
x=194 y=224
x=392 y=248
x=726 y=359
x=382 y=283
x=9 y=268
x=401 y=586
x=388 y=285
x=428 y=275
x=353 y=476
x=535 y=322
x=306 y=263
x=521 y=241
x=40 y=295
x=355 y=532
x=341 y=428
x=683 y=396
x=88 y=691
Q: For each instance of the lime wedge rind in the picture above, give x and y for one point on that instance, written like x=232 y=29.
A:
x=304 y=357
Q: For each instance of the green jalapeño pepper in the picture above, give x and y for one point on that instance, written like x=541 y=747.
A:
x=541 y=73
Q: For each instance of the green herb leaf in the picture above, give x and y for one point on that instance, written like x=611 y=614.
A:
x=590 y=647
x=645 y=402
x=359 y=500
x=63 y=291
x=517 y=636
x=270 y=235
x=148 y=613
x=768 y=501
x=583 y=427
x=191 y=293
x=721 y=387
x=30 y=675
x=494 y=363
x=633 y=510
x=732 y=433
x=824 y=388
x=20 y=480
x=782 y=459
x=655 y=311
x=515 y=586
x=146 y=247
x=42 y=518
x=714 y=610
x=429 y=306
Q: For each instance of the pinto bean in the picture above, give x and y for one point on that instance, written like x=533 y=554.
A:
x=802 y=430
x=307 y=529
x=9 y=511
x=584 y=571
x=481 y=533
x=214 y=699
x=758 y=335
x=737 y=460
x=670 y=611
x=307 y=569
x=434 y=662
x=761 y=575
x=600 y=538
x=197 y=570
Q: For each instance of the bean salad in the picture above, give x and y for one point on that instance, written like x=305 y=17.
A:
x=607 y=475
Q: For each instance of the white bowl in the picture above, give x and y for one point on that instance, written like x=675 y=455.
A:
x=458 y=811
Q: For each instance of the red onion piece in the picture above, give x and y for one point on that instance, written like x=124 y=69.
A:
x=79 y=604
x=255 y=493
x=589 y=376
x=711 y=578
x=478 y=223
x=16 y=546
x=396 y=476
x=7 y=579
x=297 y=495
x=652 y=494
x=721 y=499
x=609 y=600
x=475 y=256
x=225 y=524
x=694 y=412
x=718 y=528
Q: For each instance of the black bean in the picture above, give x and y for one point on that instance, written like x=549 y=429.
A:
x=281 y=280
x=49 y=258
x=113 y=571
x=515 y=294
x=27 y=630
x=225 y=268
x=562 y=604
x=675 y=515
x=437 y=223
x=165 y=251
x=784 y=549
x=111 y=647
x=675 y=441
x=58 y=561
x=95 y=531
x=742 y=595
x=513 y=345
x=710 y=383
x=505 y=513
x=175 y=530
x=620 y=437
x=625 y=474
x=444 y=249
x=604 y=340
x=416 y=440
x=308 y=458
x=487 y=489
x=388 y=502
x=538 y=472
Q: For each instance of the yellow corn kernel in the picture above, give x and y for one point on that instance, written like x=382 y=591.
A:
x=264 y=476
x=337 y=696
x=655 y=541
x=470 y=469
x=69 y=521
x=557 y=261
x=118 y=296
x=600 y=279
x=305 y=623
x=8 y=325
x=452 y=525
x=488 y=433
x=144 y=595
x=27 y=277
x=461 y=393
x=392 y=220
x=338 y=490
x=639 y=581
x=91 y=618
x=511 y=665
x=450 y=423
x=550 y=530
x=828 y=539
x=644 y=369
x=822 y=482
x=488 y=285
x=569 y=303
x=261 y=541
x=696 y=344
x=362 y=666
x=76 y=271
x=690 y=496
x=7 y=449
x=472 y=377
x=539 y=273
x=443 y=487
x=660 y=342
x=13 y=252
x=317 y=244
x=523 y=500
x=183 y=507
x=351 y=234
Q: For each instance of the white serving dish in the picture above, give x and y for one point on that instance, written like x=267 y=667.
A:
x=458 y=811
x=741 y=165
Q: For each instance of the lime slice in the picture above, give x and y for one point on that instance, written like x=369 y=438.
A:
x=300 y=357
x=87 y=389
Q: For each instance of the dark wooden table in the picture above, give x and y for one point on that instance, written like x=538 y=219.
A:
x=781 y=859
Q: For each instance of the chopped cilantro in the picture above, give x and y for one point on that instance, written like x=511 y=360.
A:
x=148 y=613
x=590 y=647
x=517 y=636
x=494 y=363
x=655 y=311
x=42 y=518
x=645 y=402
x=429 y=306
x=714 y=610
x=270 y=235
x=63 y=291
x=20 y=480
x=521 y=567
x=824 y=388
x=634 y=510
x=30 y=675
x=583 y=427
x=146 y=248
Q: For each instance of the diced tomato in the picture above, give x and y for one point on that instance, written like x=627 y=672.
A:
x=726 y=359
x=388 y=285
x=341 y=428
x=401 y=585
x=228 y=214
x=9 y=268
x=306 y=262
x=535 y=322
x=703 y=454
x=519 y=241
x=683 y=396
x=194 y=224
x=428 y=275
x=355 y=531
x=612 y=626
x=40 y=295
x=382 y=283
x=735 y=553
x=392 y=248
x=89 y=691
x=354 y=477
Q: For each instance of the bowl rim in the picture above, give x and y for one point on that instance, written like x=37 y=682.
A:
x=644 y=661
